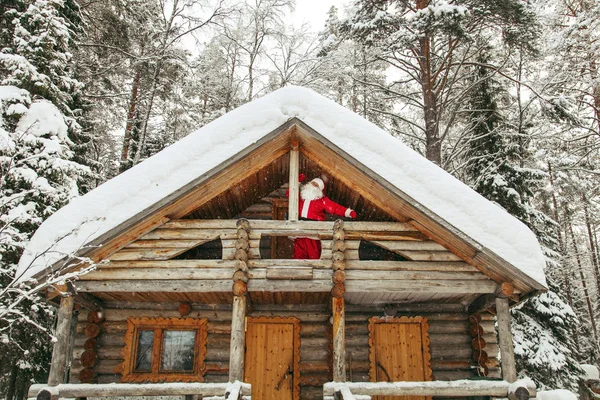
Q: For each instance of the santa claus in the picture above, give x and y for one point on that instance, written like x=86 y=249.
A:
x=313 y=205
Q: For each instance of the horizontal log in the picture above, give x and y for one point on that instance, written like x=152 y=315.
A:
x=171 y=264
x=293 y=273
x=430 y=255
x=146 y=254
x=181 y=286
x=357 y=274
x=312 y=367
x=229 y=253
x=423 y=286
x=68 y=390
x=159 y=274
x=413 y=245
x=257 y=285
x=102 y=367
x=121 y=315
x=165 y=243
x=456 y=266
x=425 y=308
x=179 y=234
x=461 y=388
x=104 y=353
x=320 y=264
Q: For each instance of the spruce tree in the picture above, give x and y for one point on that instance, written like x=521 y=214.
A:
x=38 y=172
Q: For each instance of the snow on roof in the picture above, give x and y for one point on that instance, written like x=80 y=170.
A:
x=121 y=198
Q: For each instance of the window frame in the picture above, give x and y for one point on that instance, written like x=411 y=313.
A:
x=159 y=326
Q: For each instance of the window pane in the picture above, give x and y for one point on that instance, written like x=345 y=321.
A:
x=143 y=361
x=178 y=351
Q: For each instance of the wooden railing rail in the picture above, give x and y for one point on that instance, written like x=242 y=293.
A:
x=227 y=391
x=520 y=390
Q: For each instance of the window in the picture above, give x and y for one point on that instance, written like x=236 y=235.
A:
x=164 y=350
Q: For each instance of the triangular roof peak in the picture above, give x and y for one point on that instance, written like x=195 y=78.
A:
x=93 y=218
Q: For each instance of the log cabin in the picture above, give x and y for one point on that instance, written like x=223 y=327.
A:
x=176 y=277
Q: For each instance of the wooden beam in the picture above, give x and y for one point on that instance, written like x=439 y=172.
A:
x=181 y=286
x=238 y=338
x=88 y=301
x=60 y=356
x=460 y=388
x=294 y=184
x=424 y=286
x=509 y=371
x=483 y=303
x=137 y=389
x=339 y=338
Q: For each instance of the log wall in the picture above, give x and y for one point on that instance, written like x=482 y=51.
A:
x=451 y=352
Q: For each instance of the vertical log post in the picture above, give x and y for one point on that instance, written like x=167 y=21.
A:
x=509 y=372
x=60 y=358
x=236 y=355
x=238 y=317
x=337 y=303
x=294 y=184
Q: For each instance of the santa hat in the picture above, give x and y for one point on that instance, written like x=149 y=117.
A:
x=319 y=183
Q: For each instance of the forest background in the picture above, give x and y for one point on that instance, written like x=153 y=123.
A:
x=504 y=95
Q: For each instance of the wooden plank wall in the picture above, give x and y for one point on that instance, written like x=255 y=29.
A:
x=451 y=351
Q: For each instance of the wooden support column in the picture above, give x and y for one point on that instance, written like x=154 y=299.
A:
x=509 y=372
x=337 y=303
x=60 y=356
x=294 y=184
x=238 y=338
x=238 y=317
x=339 y=348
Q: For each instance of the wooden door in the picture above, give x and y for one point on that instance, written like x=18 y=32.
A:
x=272 y=361
x=399 y=351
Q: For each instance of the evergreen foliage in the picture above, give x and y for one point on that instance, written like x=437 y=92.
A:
x=39 y=172
x=498 y=167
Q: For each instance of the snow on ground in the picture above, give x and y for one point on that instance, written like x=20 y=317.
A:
x=88 y=217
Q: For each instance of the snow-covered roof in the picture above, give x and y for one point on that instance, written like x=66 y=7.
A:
x=101 y=210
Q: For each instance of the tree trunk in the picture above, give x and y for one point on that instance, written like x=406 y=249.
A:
x=433 y=145
x=583 y=283
x=12 y=382
x=130 y=122
x=588 y=225
x=562 y=246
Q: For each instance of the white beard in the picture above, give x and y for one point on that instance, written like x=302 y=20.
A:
x=310 y=192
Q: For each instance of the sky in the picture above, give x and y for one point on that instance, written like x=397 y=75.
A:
x=315 y=12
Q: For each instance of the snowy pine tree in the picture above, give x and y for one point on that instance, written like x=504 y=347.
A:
x=38 y=173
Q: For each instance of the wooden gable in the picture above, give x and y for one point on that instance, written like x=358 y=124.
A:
x=146 y=249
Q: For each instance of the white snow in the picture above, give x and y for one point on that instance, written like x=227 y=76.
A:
x=591 y=372
x=121 y=198
x=558 y=394
x=43 y=118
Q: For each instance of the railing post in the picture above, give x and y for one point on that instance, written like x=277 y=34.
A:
x=60 y=358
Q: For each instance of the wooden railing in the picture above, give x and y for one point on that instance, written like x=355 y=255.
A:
x=520 y=390
x=214 y=391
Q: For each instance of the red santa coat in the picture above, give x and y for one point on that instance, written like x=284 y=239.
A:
x=316 y=209
x=307 y=248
